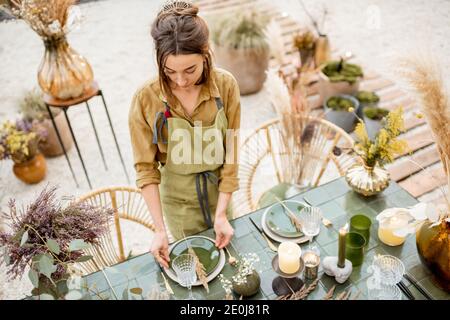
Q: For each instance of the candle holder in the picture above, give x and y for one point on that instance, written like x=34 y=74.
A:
x=312 y=262
x=285 y=283
x=331 y=268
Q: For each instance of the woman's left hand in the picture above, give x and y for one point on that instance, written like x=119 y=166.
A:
x=224 y=231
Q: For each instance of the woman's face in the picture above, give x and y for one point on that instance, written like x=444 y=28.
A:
x=184 y=70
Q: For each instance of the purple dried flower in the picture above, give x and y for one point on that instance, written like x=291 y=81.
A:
x=44 y=219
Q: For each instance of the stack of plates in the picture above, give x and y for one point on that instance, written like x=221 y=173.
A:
x=212 y=258
x=277 y=225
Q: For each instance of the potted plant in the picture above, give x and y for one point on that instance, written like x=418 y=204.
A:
x=305 y=42
x=339 y=77
x=341 y=110
x=19 y=143
x=48 y=238
x=373 y=117
x=366 y=99
x=33 y=108
x=368 y=177
x=240 y=46
x=246 y=282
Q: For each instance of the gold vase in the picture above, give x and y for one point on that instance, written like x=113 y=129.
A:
x=367 y=180
x=63 y=73
x=433 y=247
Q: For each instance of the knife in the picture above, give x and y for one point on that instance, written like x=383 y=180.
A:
x=270 y=243
x=166 y=283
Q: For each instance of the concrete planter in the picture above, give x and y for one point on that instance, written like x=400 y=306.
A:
x=328 y=89
x=345 y=120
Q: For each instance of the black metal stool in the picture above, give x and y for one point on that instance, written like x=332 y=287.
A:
x=65 y=105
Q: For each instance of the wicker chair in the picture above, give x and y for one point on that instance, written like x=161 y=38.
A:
x=261 y=165
x=128 y=204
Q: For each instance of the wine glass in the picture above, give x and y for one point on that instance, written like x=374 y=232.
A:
x=184 y=266
x=311 y=219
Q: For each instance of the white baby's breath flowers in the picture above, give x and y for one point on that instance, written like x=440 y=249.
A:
x=226 y=284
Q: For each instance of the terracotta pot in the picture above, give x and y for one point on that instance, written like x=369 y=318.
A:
x=328 y=89
x=433 y=247
x=248 y=66
x=51 y=147
x=32 y=171
x=63 y=73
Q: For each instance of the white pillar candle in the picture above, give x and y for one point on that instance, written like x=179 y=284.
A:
x=289 y=257
x=388 y=227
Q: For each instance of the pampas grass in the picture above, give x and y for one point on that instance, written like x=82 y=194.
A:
x=295 y=130
x=424 y=76
x=274 y=36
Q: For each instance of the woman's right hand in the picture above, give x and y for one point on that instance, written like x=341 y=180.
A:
x=160 y=249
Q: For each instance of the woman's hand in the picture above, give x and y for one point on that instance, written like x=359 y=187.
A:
x=224 y=231
x=160 y=249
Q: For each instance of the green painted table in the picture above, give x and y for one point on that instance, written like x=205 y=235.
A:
x=338 y=204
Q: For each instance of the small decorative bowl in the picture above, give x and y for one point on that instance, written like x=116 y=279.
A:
x=388 y=270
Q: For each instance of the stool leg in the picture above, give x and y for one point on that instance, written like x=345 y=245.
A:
x=76 y=146
x=114 y=135
x=62 y=144
x=96 y=135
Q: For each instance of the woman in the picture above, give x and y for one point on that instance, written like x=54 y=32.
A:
x=171 y=120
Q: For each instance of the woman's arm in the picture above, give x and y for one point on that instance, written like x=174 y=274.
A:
x=160 y=243
x=222 y=227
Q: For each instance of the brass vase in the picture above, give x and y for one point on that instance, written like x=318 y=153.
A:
x=63 y=73
x=433 y=247
x=367 y=180
x=322 y=50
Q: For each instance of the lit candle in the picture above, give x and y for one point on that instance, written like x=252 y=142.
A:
x=388 y=227
x=289 y=257
x=341 y=254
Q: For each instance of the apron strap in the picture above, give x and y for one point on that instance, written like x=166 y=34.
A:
x=202 y=194
x=157 y=130
x=219 y=103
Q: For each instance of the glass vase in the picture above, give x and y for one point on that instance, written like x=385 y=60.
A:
x=63 y=73
x=433 y=247
x=367 y=180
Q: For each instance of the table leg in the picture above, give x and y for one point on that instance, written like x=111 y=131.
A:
x=76 y=146
x=96 y=135
x=62 y=144
x=114 y=135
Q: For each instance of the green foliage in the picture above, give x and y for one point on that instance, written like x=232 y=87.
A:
x=386 y=144
x=338 y=71
x=367 y=97
x=240 y=30
x=338 y=103
x=375 y=113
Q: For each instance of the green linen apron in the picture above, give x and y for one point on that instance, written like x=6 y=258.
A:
x=189 y=181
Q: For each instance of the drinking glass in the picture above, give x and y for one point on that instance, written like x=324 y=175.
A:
x=388 y=270
x=184 y=266
x=311 y=219
x=361 y=224
x=354 y=248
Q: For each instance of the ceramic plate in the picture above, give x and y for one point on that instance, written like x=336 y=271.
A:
x=278 y=238
x=278 y=221
x=212 y=258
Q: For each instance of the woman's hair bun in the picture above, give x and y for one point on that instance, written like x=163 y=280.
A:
x=179 y=8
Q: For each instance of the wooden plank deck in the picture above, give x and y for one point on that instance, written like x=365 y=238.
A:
x=422 y=149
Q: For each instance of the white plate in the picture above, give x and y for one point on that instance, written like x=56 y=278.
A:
x=222 y=259
x=276 y=237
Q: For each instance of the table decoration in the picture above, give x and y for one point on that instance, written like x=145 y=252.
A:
x=63 y=73
x=289 y=257
x=339 y=267
x=312 y=262
x=300 y=294
x=286 y=283
x=368 y=177
x=354 y=248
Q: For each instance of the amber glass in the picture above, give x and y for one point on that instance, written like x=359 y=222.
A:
x=31 y=171
x=63 y=73
x=433 y=246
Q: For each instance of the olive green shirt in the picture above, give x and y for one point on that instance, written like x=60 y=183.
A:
x=148 y=100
